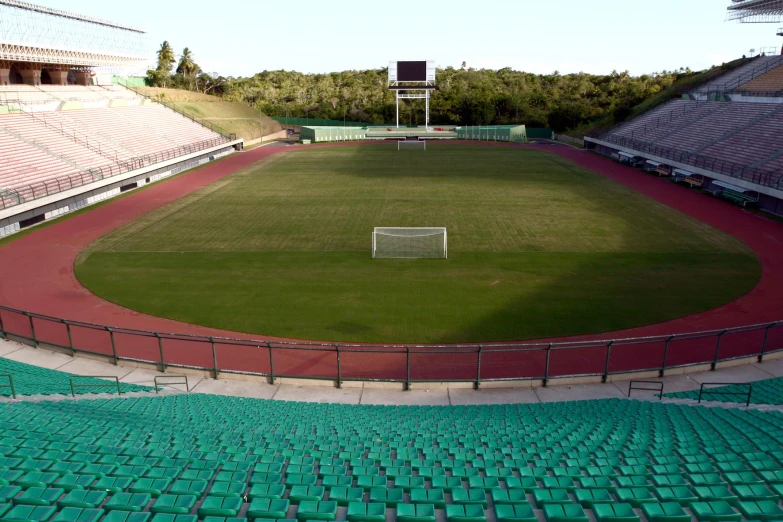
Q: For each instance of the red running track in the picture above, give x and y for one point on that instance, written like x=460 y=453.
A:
x=37 y=276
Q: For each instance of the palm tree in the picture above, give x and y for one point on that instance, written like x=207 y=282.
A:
x=186 y=64
x=165 y=60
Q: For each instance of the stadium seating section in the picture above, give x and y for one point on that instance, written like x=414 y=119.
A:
x=740 y=133
x=739 y=77
x=69 y=133
x=185 y=458
x=33 y=380
x=771 y=82
x=768 y=391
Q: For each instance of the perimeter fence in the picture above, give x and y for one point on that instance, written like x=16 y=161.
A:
x=470 y=363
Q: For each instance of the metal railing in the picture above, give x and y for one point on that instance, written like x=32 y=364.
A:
x=656 y=386
x=407 y=364
x=754 y=73
x=10 y=384
x=747 y=394
x=169 y=380
x=93 y=384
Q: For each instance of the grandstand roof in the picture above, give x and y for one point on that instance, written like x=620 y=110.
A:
x=755 y=11
x=32 y=33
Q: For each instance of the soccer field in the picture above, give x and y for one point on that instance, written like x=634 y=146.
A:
x=537 y=247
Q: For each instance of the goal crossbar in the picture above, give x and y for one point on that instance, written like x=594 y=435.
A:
x=410 y=242
x=411 y=144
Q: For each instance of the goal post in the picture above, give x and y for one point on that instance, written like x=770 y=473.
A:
x=410 y=242
x=411 y=145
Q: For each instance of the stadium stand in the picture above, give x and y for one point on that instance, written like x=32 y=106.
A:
x=726 y=132
x=740 y=76
x=34 y=380
x=767 y=391
x=771 y=82
x=202 y=457
x=105 y=130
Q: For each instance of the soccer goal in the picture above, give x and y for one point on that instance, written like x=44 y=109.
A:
x=410 y=242
x=411 y=145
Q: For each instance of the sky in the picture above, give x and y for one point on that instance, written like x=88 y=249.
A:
x=244 y=37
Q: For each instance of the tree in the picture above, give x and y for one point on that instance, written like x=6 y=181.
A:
x=186 y=65
x=165 y=63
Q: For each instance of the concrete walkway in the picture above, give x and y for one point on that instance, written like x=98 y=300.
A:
x=371 y=395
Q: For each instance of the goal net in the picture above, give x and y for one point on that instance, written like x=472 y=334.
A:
x=409 y=242
x=411 y=145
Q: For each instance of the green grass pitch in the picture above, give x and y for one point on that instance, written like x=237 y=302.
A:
x=537 y=247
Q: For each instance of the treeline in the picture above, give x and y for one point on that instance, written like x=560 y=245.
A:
x=464 y=96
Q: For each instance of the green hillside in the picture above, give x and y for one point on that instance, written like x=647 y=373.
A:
x=237 y=117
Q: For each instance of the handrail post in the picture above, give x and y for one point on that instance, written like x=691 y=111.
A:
x=160 y=347
x=665 y=355
x=478 y=368
x=750 y=391
x=113 y=346
x=214 y=357
x=714 y=364
x=606 y=363
x=70 y=337
x=271 y=362
x=546 y=367
x=32 y=328
x=2 y=329
x=407 y=368
x=761 y=355
x=339 y=368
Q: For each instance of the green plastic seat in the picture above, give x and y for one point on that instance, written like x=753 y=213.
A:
x=128 y=501
x=331 y=481
x=344 y=495
x=74 y=514
x=302 y=493
x=448 y=484
x=743 y=478
x=112 y=484
x=170 y=517
x=635 y=496
x=408 y=483
x=565 y=513
x=707 y=480
x=5 y=506
x=435 y=497
x=9 y=476
x=28 y=513
x=521 y=512
x=274 y=508
x=188 y=487
x=680 y=494
x=588 y=498
x=754 y=493
x=615 y=513
x=266 y=491
x=665 y=512
x=224 y=519
x=764 y=510
x=310 y=510
x=545 y=497
x=509 y=496
x=227 y=489
x=415 y=513
x=716 y=493
x=126 y=516
x=389 y=497
x=82 y=498
x=75 y=481
x=154 y=487
x=220 y=506
x=714 y=512
x=636 y=481
x=465 y=513
x=37 y=479
x=174 y=504
x=368 y=482
x=361 y=512
x=39 y=496
x=469 y=497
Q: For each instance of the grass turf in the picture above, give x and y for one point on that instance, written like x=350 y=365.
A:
x=537 y=247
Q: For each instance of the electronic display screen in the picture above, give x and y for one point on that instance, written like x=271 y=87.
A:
x=412 y=71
